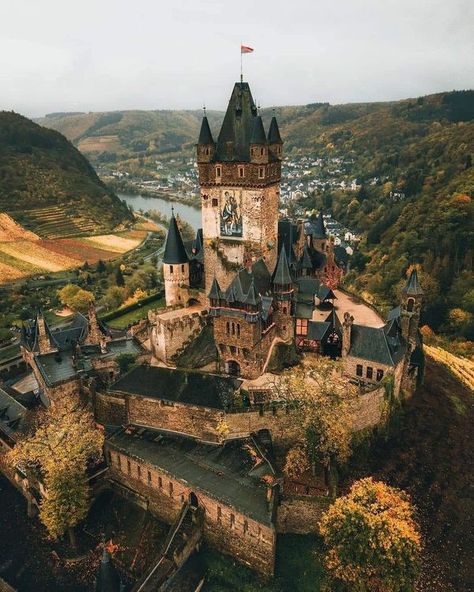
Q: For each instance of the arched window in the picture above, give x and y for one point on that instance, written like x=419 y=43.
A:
x=410 y=304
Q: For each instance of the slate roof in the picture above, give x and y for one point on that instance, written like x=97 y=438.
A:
x=317 y=330
x=317 y=227
x=394 y=314
x=281 y=275
x=175 y=252
x=226 y=472
x=308 y=285
x=180 y=386
x=215 y=292
x=375 y=345
x=205 y=135
x=12 y=415
x=274 y=132
x=412 y=287
x=287 y=237
x=233 y=143
x=258 y=132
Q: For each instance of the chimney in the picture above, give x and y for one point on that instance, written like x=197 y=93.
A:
x=346 y=333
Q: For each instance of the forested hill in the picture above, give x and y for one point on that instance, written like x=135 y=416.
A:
x=413 y=159
x=48 y=186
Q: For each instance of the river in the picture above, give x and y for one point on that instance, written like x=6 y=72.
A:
x=143 y=202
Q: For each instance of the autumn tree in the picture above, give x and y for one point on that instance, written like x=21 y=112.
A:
x=75 y=297
x=323 y=412
x=372 y=540
x=62 y=447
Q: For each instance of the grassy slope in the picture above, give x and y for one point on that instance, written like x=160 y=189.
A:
x=40 y=169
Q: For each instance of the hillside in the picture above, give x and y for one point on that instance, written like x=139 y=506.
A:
x=413 y=159
x=48 y=187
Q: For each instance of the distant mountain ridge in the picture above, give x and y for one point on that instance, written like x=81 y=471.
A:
x=48 y=186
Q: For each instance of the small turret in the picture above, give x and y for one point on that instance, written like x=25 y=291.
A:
x=412 y=299
x=175 y=264
x=258 y=143
x=283 y=288
x=206 y=147
x=275 y=142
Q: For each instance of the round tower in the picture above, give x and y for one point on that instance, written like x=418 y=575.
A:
x=175 y=265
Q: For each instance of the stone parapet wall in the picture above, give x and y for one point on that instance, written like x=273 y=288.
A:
x=168 y=336
x=301 y=515
x=109 y=409
x=250 y=541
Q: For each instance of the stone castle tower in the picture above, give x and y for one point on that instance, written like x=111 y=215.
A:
x=410 y=309
x=175 y=266
x=239 y=176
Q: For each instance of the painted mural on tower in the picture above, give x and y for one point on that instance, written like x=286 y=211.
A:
x=231 y=214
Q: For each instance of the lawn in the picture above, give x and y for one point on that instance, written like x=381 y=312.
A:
x=9 y=352
x=130 y=318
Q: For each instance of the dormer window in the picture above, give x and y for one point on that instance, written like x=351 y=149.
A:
x=261 y=172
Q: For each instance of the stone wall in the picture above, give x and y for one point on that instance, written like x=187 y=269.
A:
x=250 y=541
x=169 y=335
x=174 y=276
x=301 y=515
x=259 y=208
x=109 y=409
x=200 y=422
x=369 y=410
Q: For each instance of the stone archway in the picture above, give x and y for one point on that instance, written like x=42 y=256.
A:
x=193 y=500
x=232 y=367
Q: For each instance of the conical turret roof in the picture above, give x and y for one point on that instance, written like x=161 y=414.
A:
x=274 y=132
x=205 y=135
x=215 y=291
x=412 y=287
x=174 y=248
x=282 y=275
x=258 y=132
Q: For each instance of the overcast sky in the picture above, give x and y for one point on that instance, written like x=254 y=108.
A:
x=97 y=55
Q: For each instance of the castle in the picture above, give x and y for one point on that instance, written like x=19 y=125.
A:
x=197 y=427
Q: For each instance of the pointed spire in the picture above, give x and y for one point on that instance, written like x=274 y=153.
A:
x=412 y=287
x=258 y=132
x=205 y=135
x=282 y=275
x=305 y=261
x=252 y=295
x=274 y=132
x=215 y=292
x=174 y=248
x=319 y=227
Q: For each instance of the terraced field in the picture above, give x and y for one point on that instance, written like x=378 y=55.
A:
x=460 y=367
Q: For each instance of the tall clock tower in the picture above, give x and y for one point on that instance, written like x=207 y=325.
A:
x=239 y=177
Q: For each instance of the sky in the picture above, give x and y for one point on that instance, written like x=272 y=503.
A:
x=102 y=55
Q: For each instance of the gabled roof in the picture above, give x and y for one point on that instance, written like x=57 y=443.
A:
x=317 y=330
x=205 y=135
x=174 y=248
x=305 y=259
x=412 y=287
x=308 y=285
x=373 y=344
x=282 y=275
x=287 y=237
x=325 y=293
x=233 y=143
x=252 y=296
x=258 y=132
x=274 y=132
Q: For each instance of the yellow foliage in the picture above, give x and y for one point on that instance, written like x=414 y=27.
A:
x=372 y=539
x=135 y=297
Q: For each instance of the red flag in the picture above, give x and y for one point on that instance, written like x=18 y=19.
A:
x=245 y=49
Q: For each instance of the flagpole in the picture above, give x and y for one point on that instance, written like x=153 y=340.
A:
x=241 y=69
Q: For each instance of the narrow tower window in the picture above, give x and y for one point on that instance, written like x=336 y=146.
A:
x=261 y=172
x=241 y=172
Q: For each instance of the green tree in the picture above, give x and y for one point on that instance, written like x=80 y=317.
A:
x=75 y=297
x=372 y=540
x=119 y=279
x=125 y=362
